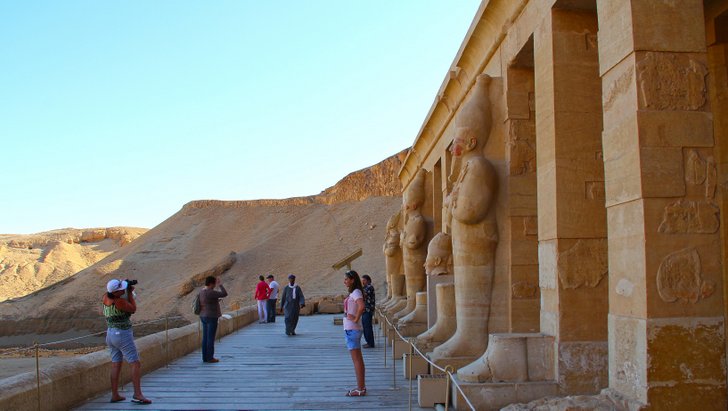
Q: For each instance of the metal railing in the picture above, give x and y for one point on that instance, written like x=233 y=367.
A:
x=448 y=370
x=37 y=346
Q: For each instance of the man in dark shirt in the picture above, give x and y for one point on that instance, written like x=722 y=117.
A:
x=366 y=317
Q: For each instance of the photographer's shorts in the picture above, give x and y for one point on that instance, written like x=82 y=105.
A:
x=353 y=339
x=121 y=345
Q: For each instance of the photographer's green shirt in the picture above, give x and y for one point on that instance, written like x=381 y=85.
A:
x=115 y=318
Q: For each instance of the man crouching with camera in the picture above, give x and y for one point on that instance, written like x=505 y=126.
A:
x=119 y=305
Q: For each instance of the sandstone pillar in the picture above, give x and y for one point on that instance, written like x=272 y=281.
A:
x=571 y=215
x=717 y=34
x=666 y=324
x=522 y=241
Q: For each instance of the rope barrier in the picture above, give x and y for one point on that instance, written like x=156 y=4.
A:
x=32 y=347
x=445 y=370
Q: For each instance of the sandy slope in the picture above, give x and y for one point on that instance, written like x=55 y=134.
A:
x=239 y=241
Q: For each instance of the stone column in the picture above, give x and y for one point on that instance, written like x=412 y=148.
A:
x=522 y=241
x=717 y=35
x=666 y=324
x=572 y=231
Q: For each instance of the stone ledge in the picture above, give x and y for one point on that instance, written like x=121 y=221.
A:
x=66 y=384
x=494 y=396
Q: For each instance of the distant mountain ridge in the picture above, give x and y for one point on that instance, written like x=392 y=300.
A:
x=238 y=240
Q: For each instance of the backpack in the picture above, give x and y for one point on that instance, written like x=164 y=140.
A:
x=196 y=307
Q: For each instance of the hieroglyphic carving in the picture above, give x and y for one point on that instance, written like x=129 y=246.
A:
x=671 y=82
x=690 y=216
x=584 y=264
x=679 y=278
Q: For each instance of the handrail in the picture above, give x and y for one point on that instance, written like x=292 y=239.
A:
x=446 y=370
x=3 y=352
x=37 y=346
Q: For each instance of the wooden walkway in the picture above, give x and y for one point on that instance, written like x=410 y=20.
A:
x=261 y=368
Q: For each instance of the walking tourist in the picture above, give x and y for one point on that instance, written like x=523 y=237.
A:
x=353 y=310
x=118 y=306
x=261 y=295
x=272 y=298
x=209 y=314
x=368 y=315
x=292 y=301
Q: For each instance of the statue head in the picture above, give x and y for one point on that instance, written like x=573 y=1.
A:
x=472 y=128
x=414 y=197
x=439 y=255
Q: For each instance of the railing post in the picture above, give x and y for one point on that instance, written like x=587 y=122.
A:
x=394 y=368
x=37 y=372
x=448 y=373
x=166 y=337
x=411 y=352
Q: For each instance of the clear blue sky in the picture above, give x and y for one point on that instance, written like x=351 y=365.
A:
x=117 y=113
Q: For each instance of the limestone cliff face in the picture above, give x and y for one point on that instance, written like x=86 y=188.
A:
x=376 y=181
x=379 y=180
x=31 y=262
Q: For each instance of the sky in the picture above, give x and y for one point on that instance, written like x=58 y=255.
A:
x=117 y=113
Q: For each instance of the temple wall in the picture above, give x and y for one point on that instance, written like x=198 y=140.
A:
x=610 y=141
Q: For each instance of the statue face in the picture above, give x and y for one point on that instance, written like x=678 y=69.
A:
x=414 y=233
x=462 y=143
x=391 y=243
x=431 y=263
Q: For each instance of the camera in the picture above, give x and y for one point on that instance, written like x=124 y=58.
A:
x=131 y=282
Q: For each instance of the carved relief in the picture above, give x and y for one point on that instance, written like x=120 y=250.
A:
x=694 y=168
x=522 y=290
x=584 y=264
x=522 y=149
x=530 y=225
x=594 y=190
x=711 y=177
x=671 y=82
x=679 y=278
x=617 y=88
x=690 y=216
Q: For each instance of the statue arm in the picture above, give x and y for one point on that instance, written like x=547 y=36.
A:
x=476 y=194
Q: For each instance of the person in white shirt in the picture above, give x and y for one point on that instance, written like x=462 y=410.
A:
x=272 y=298
x=353 y=310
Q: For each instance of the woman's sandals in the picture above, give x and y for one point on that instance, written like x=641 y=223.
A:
x=357 y=392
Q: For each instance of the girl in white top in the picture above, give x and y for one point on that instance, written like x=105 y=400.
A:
x=353 y=309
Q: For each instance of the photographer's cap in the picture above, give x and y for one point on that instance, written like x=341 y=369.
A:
x=116 y=285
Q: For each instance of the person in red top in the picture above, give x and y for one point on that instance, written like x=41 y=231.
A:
x=262 y=292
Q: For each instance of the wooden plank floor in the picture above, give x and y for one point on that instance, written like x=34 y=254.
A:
x=261 y=368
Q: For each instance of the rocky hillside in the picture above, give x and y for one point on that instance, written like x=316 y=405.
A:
x=31 y=262
x=237 y=240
